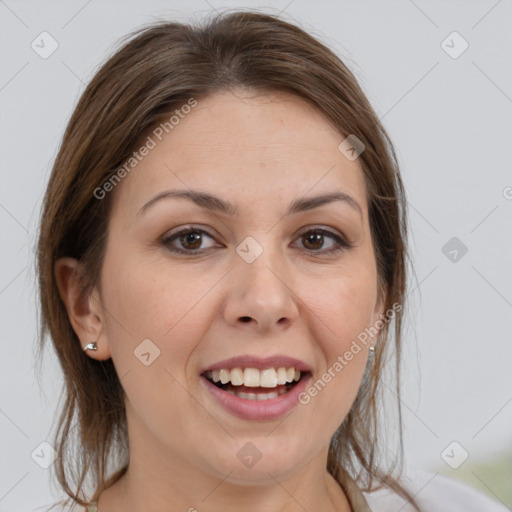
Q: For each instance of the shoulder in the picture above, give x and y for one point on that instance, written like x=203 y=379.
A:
x=434 y=493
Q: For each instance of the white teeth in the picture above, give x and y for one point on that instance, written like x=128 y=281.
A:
x=268 y=378
x=236 y=376
x=224 y=376
x=281 y=376
x=257 y=396
x=253 y=378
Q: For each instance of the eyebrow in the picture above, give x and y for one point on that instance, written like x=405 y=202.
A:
x=213 y=203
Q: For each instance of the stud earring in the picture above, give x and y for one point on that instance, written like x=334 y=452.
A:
x=91 y=346
x=372 y=355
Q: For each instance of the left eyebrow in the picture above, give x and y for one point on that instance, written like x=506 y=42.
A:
x=308 y=203
x=213 y=203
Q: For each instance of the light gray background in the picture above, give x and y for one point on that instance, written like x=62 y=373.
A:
x=449 y=119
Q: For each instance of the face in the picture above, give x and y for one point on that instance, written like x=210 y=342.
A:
x=260 y=281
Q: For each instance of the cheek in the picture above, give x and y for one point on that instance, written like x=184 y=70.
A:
x=340 y=310
x=147 y=300
x=342 y=306
x=144 y=303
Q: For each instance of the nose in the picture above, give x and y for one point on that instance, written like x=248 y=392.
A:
x=260 y=295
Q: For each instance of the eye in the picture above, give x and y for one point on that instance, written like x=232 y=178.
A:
x=189 y=238
x=314 y=239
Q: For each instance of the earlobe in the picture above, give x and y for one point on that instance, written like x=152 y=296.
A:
x=84 y=311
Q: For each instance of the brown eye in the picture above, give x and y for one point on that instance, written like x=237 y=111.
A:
x=314 y=240
x=189 y=241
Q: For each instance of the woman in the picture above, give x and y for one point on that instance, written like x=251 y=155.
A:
x=222 y=253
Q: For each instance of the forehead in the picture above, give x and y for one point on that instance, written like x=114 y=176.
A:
x=245 y=145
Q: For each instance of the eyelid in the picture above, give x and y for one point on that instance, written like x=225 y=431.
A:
x=322 y=228
x=184 y=228
x=173 y=233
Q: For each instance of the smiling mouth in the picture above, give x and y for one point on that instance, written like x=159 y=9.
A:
x=255 y=392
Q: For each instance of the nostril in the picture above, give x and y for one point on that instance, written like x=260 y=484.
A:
x=246 y=319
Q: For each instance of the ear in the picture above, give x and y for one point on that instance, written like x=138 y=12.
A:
x=85 y=311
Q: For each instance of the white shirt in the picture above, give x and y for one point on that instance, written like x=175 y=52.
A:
x=434 y=493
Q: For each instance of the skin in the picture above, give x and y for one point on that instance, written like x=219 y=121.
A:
x=261 y=153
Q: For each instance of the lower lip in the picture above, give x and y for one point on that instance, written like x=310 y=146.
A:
x=270 y=409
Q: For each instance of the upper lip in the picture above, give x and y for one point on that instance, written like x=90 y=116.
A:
x=247 y=361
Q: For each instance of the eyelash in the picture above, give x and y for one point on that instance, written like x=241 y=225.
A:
x=341 y=244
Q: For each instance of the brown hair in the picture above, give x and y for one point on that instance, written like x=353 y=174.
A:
x=159 y=68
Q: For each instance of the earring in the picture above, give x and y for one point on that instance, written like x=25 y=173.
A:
x=372 y=355
x=91 y=346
